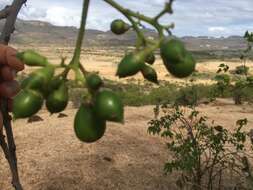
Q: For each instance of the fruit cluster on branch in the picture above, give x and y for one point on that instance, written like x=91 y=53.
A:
x=102 y=104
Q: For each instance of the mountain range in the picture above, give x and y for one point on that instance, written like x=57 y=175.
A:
x=43 y=33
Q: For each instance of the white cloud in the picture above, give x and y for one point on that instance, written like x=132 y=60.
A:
x=32 y=12
x=191 y=17
x=216 y=29
x=62 y=16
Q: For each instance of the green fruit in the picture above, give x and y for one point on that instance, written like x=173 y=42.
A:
x=32 y=58
x=38 y=79
x=150 y=59
x=130 y=65
x=57 y=100
x=108 y=106
x=32 y=82
x=118 y=27
x=172 y=51
x=184 y=68
x=46 y=73
x=149 y=73
x=53 y=84
x=27 y=103
x=88 y=128
x=93 y=81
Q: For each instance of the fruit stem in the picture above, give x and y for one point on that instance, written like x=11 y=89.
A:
x=82 y=69
x=125 y=12
x=167 y=9
x=152 y=21
x=129 y=12
x=145 y=52
x=74 y=63
x=138 y=31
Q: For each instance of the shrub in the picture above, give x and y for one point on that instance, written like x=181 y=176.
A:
x=203 y=153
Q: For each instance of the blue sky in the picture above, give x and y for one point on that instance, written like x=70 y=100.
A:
x=191 y=17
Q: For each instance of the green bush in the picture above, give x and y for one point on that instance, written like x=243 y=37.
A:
x=203 y=154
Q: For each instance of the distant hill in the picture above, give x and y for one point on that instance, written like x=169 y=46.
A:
x=38 y=32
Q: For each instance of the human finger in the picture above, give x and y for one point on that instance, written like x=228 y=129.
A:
x=12 y=60
x=6 y=73
x=9 y=89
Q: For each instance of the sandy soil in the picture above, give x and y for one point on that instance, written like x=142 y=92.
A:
x=50 y=157
x=105 y=62
x=127 y=157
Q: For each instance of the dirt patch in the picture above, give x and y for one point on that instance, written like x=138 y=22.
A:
x=50 y=157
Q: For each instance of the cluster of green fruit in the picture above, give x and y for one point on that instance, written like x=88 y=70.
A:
x=177 y=60
x=102 y=105
x=39 y=85
x=90 y=119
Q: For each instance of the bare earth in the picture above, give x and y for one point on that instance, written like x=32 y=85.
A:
x=50 y=157
x=127 y=157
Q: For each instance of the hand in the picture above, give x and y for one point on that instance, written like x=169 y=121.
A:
x=9 y=66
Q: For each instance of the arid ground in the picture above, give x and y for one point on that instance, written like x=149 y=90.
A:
x=50 y=157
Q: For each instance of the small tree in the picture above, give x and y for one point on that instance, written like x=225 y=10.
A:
x=203 y=153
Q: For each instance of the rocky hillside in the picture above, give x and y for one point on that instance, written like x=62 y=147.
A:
x=37 y=32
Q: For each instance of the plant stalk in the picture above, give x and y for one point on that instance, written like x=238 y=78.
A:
x=74 y=63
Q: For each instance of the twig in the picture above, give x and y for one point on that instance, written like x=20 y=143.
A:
x=10 y=21
x=4 y=146
x=11 y=157
x=5 y=12
x=10 y=149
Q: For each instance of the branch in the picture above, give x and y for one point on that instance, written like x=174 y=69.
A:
x=152 y=21
x=11 y=156
x=131 y=20
x=129 y=12
x=12 y=164
x=167 y=9
x=4 y=146
x=10 y=21
x=10 y=148
x=5 y=12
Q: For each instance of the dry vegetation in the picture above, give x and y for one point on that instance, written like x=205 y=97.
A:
x=127 y=157
x=105 y=62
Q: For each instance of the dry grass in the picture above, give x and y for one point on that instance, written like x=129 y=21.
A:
x=105 y=62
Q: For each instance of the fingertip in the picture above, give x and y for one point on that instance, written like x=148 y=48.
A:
x=14 y=63
x=12 y=60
